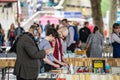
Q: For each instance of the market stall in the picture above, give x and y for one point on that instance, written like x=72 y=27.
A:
x=81 y=69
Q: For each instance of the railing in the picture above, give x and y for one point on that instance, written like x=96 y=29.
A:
x=37 y=15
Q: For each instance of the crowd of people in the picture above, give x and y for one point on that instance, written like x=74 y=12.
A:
x=36 y=54
x=12 y=34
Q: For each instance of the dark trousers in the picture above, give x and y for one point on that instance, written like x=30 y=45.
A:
x=3 y=73
x=18 y=78
x=48 y=67
x=71 y=47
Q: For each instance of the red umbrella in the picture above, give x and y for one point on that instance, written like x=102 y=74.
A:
x=53 y=20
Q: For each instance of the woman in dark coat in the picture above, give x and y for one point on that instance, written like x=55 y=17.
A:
x=11 y=34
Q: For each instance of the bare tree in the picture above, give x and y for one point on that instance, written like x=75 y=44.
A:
x=118 y=3
x=97 y=14
x=113 y=13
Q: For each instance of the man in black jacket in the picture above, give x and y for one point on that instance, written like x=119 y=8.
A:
x=84 y=33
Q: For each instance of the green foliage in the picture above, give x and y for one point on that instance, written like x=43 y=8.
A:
x=105 y=5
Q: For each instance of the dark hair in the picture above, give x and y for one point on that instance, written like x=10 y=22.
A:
x=53 y=25
x=115 y=25
x=34 y=26
x=86 y=22
x=57 y=27
x=65 y=20
x=53 y=32
x=78 y=42
x=95 y=29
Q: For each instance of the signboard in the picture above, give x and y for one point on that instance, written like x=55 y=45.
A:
x=118 y=17
x=72 y=14
x=98 y=66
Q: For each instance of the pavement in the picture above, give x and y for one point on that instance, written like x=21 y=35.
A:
x=11 y=76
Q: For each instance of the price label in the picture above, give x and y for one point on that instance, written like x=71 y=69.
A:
x=98 y=64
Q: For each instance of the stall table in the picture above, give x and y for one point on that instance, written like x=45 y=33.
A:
x=8 y=61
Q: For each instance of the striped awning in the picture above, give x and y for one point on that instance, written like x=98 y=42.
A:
x=8 y=1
